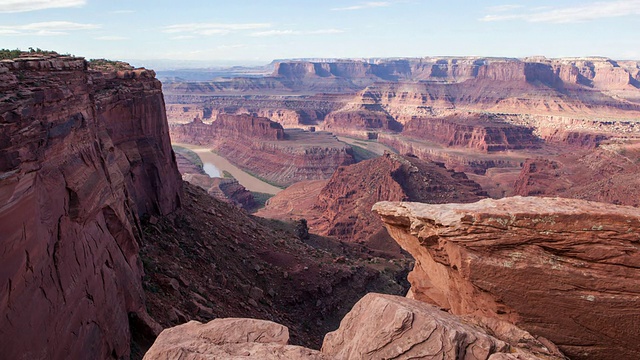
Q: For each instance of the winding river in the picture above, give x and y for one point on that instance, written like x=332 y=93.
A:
x=221 y=164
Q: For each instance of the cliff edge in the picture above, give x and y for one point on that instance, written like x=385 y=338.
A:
x=83 y=155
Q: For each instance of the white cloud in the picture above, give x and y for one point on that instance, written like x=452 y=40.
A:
x=14 y=6
x=49 y=28
x=296 y=32
x=275 y=33
x=366 y=5
x=208 y=29
x=580 y=13
x=503 y=8
x=182 y=37
x=111 y=38
x=325 y=31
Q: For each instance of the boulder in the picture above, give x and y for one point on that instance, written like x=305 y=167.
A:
x=392 y=327
x=228 y=339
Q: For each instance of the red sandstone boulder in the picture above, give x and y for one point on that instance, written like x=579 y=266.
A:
x=564 y=269
x=392 y=327
x=228 y=339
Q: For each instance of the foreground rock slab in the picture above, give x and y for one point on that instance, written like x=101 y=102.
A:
x=228 y=339
x=567 y=270
x=392 y=327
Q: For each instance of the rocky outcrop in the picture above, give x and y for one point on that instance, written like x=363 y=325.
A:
x=479 y=132
x=563 y=269
x=228 y=339
x=345 y=203
x=378 y=327
x=83 y=155
x=391 y=327
x=261 y=147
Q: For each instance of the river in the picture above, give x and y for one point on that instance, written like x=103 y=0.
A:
x=220 y=164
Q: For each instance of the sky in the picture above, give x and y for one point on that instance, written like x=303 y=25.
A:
x=233 y=32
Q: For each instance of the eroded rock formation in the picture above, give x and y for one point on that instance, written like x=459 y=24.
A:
x=392 y=327
x=563 y=269
x=378 y=327
x=83 y=155
x=477 y=132
x=341 y=206
x=224 y=189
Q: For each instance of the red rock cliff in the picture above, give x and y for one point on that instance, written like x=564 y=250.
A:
x=83 y=154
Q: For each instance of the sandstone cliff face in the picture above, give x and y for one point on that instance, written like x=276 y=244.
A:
x=261 y=147
x=481 y=133
x=559 y=268
x=83 y=155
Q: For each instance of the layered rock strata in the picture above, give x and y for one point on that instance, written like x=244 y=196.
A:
x=477 y=132
x=559 y=268
x=83 y=154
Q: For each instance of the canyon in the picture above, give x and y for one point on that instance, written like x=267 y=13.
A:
x=472 y=113
x=103 y=245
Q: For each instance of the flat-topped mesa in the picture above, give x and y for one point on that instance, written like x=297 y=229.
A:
x=592 y=72
x=565 y=269
x=83 y=155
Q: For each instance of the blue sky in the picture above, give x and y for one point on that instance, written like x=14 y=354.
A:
x=258 y=31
